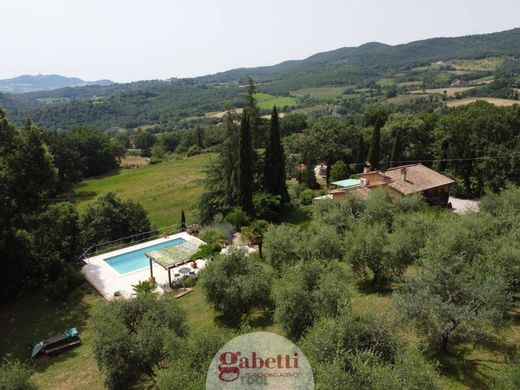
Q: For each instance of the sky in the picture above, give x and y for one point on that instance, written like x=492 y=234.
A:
x=129 y=40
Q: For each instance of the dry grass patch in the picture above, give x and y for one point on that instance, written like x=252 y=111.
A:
x=496 y=101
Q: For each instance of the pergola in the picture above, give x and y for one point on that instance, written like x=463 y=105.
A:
x=173 y=256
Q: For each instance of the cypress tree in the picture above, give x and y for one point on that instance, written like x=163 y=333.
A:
x=374 y=154
x=360 y=155
x=183 y=221
x=396 y=149
x=274 y=168
x=245 y=166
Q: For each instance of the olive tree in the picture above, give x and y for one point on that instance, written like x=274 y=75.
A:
x=307 y=291
x=128 y=336
x=236 y=283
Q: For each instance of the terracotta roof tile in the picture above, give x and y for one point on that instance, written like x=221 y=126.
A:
x=418 y=178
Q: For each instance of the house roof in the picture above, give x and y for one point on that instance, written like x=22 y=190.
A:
x=418 y=178
x=348 y=183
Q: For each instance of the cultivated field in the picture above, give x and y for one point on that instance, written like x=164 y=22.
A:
x=406 y=98
x=485 y=64
x=449 y=91
x=495 y=101
x=327 y=93
x=266 y=101
x=163 y=189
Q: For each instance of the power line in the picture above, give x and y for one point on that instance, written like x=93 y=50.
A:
x=446 y=159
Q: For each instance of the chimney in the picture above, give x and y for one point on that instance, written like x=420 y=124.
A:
x=366 y=167
x=403 y=174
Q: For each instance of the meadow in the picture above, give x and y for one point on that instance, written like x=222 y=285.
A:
x=266 y=101
x=163 y=189
x=326 y=93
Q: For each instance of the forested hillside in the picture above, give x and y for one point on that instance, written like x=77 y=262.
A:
x=415 y=76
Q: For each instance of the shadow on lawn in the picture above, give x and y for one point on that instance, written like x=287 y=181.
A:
x=458 y=366
x=366 y=287
x=258 y=320
x=36 y=317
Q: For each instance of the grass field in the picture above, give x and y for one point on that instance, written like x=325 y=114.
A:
x=162 y=189
x=266 y=101
x=36 y=317
x=496 y=101
x=326 y=93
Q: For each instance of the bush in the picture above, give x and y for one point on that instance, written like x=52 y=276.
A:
x=238 y=218
x=69 y=279
x=339 y=171
x=206 y=251
x=267 y=206
x=306 y=197
x=15 y=375
x=193 y=151
x=213 y=234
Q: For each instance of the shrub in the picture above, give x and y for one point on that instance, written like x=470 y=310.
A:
x=206 y=251
x=238 y=218
x=339 y=171
x=306 y=197
x=267 y=206
x=15 y=375
x=68 y=279
x=213 y=234
x=193 y=151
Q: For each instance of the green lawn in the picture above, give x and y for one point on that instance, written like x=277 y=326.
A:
x=36 y=317
x=162 y=189
x=266 y=101
x=326 y=93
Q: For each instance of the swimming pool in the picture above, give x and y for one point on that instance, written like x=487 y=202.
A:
x=135 y=260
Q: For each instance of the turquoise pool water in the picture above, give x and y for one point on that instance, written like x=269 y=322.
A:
x=135 y=260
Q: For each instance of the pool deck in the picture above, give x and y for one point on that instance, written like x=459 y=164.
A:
x=106 y=280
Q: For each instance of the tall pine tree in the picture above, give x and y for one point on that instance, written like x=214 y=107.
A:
x=245 y=166
x=274 y=168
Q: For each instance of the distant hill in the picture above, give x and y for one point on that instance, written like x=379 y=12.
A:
x=375 y=67
x=30 y=83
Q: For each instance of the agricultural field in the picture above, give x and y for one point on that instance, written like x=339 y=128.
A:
x=451 y=91
x=482 y=81
x=266 y=101
x=495 y=101
x=406 y=98
x=386 y=82
x=162 y=189
x=415 y=83
x=327 y=93
x=482 y=65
